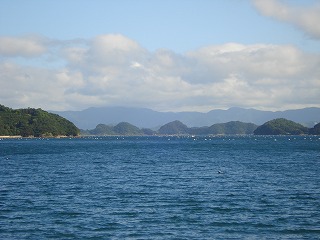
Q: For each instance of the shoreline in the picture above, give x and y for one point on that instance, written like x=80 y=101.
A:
x=16 y=136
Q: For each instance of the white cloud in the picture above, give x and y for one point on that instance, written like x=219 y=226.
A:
x=74 y=55
x=305 y=18
x=21 y=47
x=113 y=50
x=115 y=70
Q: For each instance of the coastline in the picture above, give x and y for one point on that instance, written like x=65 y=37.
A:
x=16 y=136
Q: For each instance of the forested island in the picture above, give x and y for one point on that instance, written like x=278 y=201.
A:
x=283 y=126
x=34 y=122
x=173 y=128
x=279 y=126
x=315 y=130
x=229 y=128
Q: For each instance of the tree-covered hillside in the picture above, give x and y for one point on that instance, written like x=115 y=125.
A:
x=172 y=128
x=274 y=127
x=34 y=122
x=315 y=130
x=229 y=128
x=123 y=128
x=175 y=127
x=281 y=126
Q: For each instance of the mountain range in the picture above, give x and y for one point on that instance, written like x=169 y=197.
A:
x=147 y=118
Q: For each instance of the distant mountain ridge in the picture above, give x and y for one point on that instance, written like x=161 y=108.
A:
x=147 y=118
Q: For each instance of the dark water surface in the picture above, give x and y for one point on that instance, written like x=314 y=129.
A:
x=160 y=188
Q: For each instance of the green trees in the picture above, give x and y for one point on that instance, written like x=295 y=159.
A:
x=315 y=130
x=122 y=128
x=34 y=122
x=281 y=126
x=229 y=128
x=233 y=127
x=175 y=127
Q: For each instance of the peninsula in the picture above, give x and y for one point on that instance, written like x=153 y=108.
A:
x=32 y=122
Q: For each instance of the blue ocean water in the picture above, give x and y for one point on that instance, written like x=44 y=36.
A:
x=238 y=187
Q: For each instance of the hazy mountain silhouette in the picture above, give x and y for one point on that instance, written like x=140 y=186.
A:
x=147 y=118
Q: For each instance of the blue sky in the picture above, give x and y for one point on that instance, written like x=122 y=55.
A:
x=179 y=25
x=166 y=55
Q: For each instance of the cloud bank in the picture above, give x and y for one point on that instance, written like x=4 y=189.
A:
x=21 y=47
x=115 y=70
x=306 y=18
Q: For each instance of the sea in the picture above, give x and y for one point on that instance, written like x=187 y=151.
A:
x=168 y=187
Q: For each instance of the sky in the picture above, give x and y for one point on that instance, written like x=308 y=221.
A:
x=167 y=55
